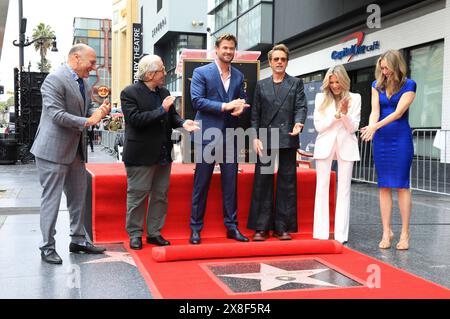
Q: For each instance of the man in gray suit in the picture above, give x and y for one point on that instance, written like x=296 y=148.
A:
x=59 y=148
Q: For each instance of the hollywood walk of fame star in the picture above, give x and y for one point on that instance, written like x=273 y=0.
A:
x=273 y=277
x=114 y=256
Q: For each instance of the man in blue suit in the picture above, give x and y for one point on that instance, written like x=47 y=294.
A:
x=218 y=96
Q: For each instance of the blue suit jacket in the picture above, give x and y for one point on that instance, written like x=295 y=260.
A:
x=208 y=94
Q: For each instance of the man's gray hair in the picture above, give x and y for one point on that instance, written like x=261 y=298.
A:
x=79 y=48
x=148 y=63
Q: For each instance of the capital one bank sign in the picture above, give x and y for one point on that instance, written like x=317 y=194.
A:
x=356 y=49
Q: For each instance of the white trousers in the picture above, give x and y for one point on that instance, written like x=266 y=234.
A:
x=321 y=204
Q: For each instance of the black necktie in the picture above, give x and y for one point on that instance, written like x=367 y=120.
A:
x=81 y=84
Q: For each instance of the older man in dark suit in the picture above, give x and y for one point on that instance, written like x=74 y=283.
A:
x=150 y=117
x=279 y=108
x=59 y=148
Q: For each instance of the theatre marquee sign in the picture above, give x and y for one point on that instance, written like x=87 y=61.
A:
x=137 y=50
x=356 y=49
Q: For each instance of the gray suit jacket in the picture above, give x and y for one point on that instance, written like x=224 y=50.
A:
x=62 y=119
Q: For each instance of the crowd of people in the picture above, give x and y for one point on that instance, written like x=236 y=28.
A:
x=278 y=113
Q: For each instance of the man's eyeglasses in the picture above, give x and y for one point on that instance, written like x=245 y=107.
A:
x=282 y=59
x=163 y=70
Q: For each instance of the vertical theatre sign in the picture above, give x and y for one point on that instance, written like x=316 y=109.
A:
x=137 y=49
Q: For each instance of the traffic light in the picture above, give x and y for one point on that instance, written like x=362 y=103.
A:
x=2 y=89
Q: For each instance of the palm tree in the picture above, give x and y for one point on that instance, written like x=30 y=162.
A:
x=43 y=31
x=44 y=65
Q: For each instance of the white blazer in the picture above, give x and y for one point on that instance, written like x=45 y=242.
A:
x=332 y=130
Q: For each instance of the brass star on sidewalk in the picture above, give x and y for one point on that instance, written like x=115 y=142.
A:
x=273 y=277
x=114 y=256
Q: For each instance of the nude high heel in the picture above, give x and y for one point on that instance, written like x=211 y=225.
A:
x=403 y=243
x=386 y=243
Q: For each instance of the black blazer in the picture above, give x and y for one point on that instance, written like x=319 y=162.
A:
x=281 y=113
x=147 y=129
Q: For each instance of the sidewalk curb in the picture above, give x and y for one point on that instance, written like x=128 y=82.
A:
x=19 y=210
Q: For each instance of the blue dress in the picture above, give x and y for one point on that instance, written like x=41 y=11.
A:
x=393 y=148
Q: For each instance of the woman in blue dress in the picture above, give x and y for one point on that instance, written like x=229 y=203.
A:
x=392 y=94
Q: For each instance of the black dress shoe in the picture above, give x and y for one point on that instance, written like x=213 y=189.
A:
x=158 y=240
x=51 y=258
x=235 y=234
x=88 y=249
x=195 y=238
x=136 y=243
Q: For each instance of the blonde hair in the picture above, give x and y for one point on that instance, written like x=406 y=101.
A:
x=342 y=76
x=395 y=62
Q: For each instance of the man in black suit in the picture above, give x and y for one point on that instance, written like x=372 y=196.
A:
x=279 y=108
x=149 y=119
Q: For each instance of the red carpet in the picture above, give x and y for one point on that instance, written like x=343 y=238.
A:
x=109 y=202
x=193 y=279
x=227 y=250
x=222 y=268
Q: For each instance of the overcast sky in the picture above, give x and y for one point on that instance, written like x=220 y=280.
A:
x=59 y=15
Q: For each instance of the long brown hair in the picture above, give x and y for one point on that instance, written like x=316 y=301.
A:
x=395 y=62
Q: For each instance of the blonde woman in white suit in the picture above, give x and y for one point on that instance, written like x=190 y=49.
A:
x=336 y=119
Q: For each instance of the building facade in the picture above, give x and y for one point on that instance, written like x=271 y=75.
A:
x=125 y=14
x=249 y=20
x=169 y=26
x=97 y=34
x=315 y=51
x=324 y=33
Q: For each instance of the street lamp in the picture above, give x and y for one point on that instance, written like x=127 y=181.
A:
x=22 y=43
x=40 y=40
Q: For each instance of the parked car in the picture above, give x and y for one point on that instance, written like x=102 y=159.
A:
x=12 y=128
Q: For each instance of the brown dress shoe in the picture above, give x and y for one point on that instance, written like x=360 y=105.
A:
x=282 y=236
x=260 y=235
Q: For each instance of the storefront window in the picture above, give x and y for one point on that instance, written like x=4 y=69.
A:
x=170 y=51
x=249 y=27
x=80 y=33
x=426 y=66
x=87 y=23
x=245 y=5
x=196 y=42
x=231 y=28
x=314 y=77
x=81 y=40
x=253 y=28
x=95 y=44
x=116 y=17
x=225 y=13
